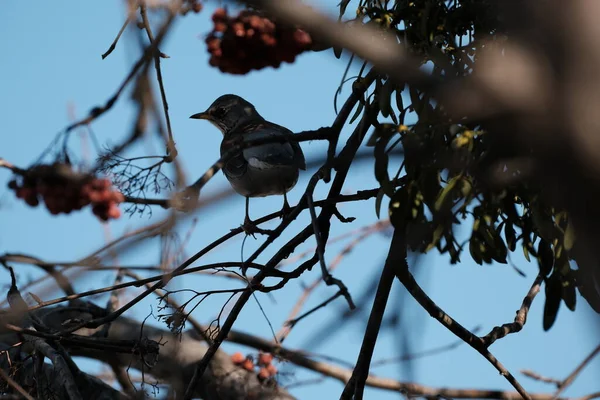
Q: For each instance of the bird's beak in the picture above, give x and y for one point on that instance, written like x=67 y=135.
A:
x=201 y=115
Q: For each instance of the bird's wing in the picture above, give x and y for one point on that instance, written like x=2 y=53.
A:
x=299 y=155
x=286 y=153
x=236 y=166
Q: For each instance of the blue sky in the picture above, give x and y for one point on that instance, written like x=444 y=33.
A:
x=51 y=61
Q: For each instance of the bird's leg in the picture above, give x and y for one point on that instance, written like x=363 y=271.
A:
x=247 y=220
x=286 y=207
x=249 y=227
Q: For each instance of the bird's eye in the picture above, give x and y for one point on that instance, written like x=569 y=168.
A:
x=219 y=112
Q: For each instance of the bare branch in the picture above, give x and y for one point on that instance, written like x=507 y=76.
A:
x=521 y=318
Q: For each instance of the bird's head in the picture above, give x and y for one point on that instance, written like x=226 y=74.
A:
x=228 y=112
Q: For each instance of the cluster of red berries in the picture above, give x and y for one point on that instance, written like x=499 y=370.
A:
x=62 y=190
x=265 y=364
x=252 y=41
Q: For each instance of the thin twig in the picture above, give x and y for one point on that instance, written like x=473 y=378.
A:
x=145 y=58
x=538 y=377
x=327 y=277
x=294 y=321
x=114 y=43
x=157 y=278
x=364 y=233
x=501 y=331
x=171 y=149
x=569 y=379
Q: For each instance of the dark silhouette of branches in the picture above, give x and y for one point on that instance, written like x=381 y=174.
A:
x=503 y=95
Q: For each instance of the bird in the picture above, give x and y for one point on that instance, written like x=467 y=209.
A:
x=258 y=171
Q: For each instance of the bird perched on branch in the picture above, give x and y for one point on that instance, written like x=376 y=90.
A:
x=258 y=171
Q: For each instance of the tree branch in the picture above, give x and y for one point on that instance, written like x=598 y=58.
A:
x=521 y=318
x=403 y=274
x=356 y=385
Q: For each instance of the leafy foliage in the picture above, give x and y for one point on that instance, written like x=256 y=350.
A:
x=451 y=172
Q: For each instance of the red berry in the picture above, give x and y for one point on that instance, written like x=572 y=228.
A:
x=219 y=14
x=61 y=204
x=237 y=358
x=302 y=38
x=269 y=25
x=265 y=359
x=247 y=364
x=114 y=212
x=263 y=374
x=51 y=205
x=32 y=200
x=95 y=196
x=96 y=184
x=42 y=188
x=213 y=44
x=268 y=40
x=256 y=22
x=86 y=190
x=214 y=61
x=104 y=196
x=220 y=26
x=272 y=369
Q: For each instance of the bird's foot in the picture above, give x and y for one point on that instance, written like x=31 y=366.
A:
x=285 y=210
x=250 y=228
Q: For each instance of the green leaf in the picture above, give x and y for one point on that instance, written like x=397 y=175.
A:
x=437 y=235
x=568 y=294
x=526 y=253
x=416 y=101
x=399 y=100
x=553 y=298
x=441 y=60
x=466 y=187
x=475 y=250
x=378 y=201
x=393 y=115
x=373 y=138
x=545 y=257
x=569 y=238
x=486 y=254
x=384 y=94
x=443 y=197
x=337 y=52
x=398 y=208
x=509 y=235
x=381 y=162
x=429 y=183
x=500 y=251
x=343 y=5
x=359 y=108
x=543 y=223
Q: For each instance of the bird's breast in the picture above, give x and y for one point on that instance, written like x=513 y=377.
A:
x=260 y=180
